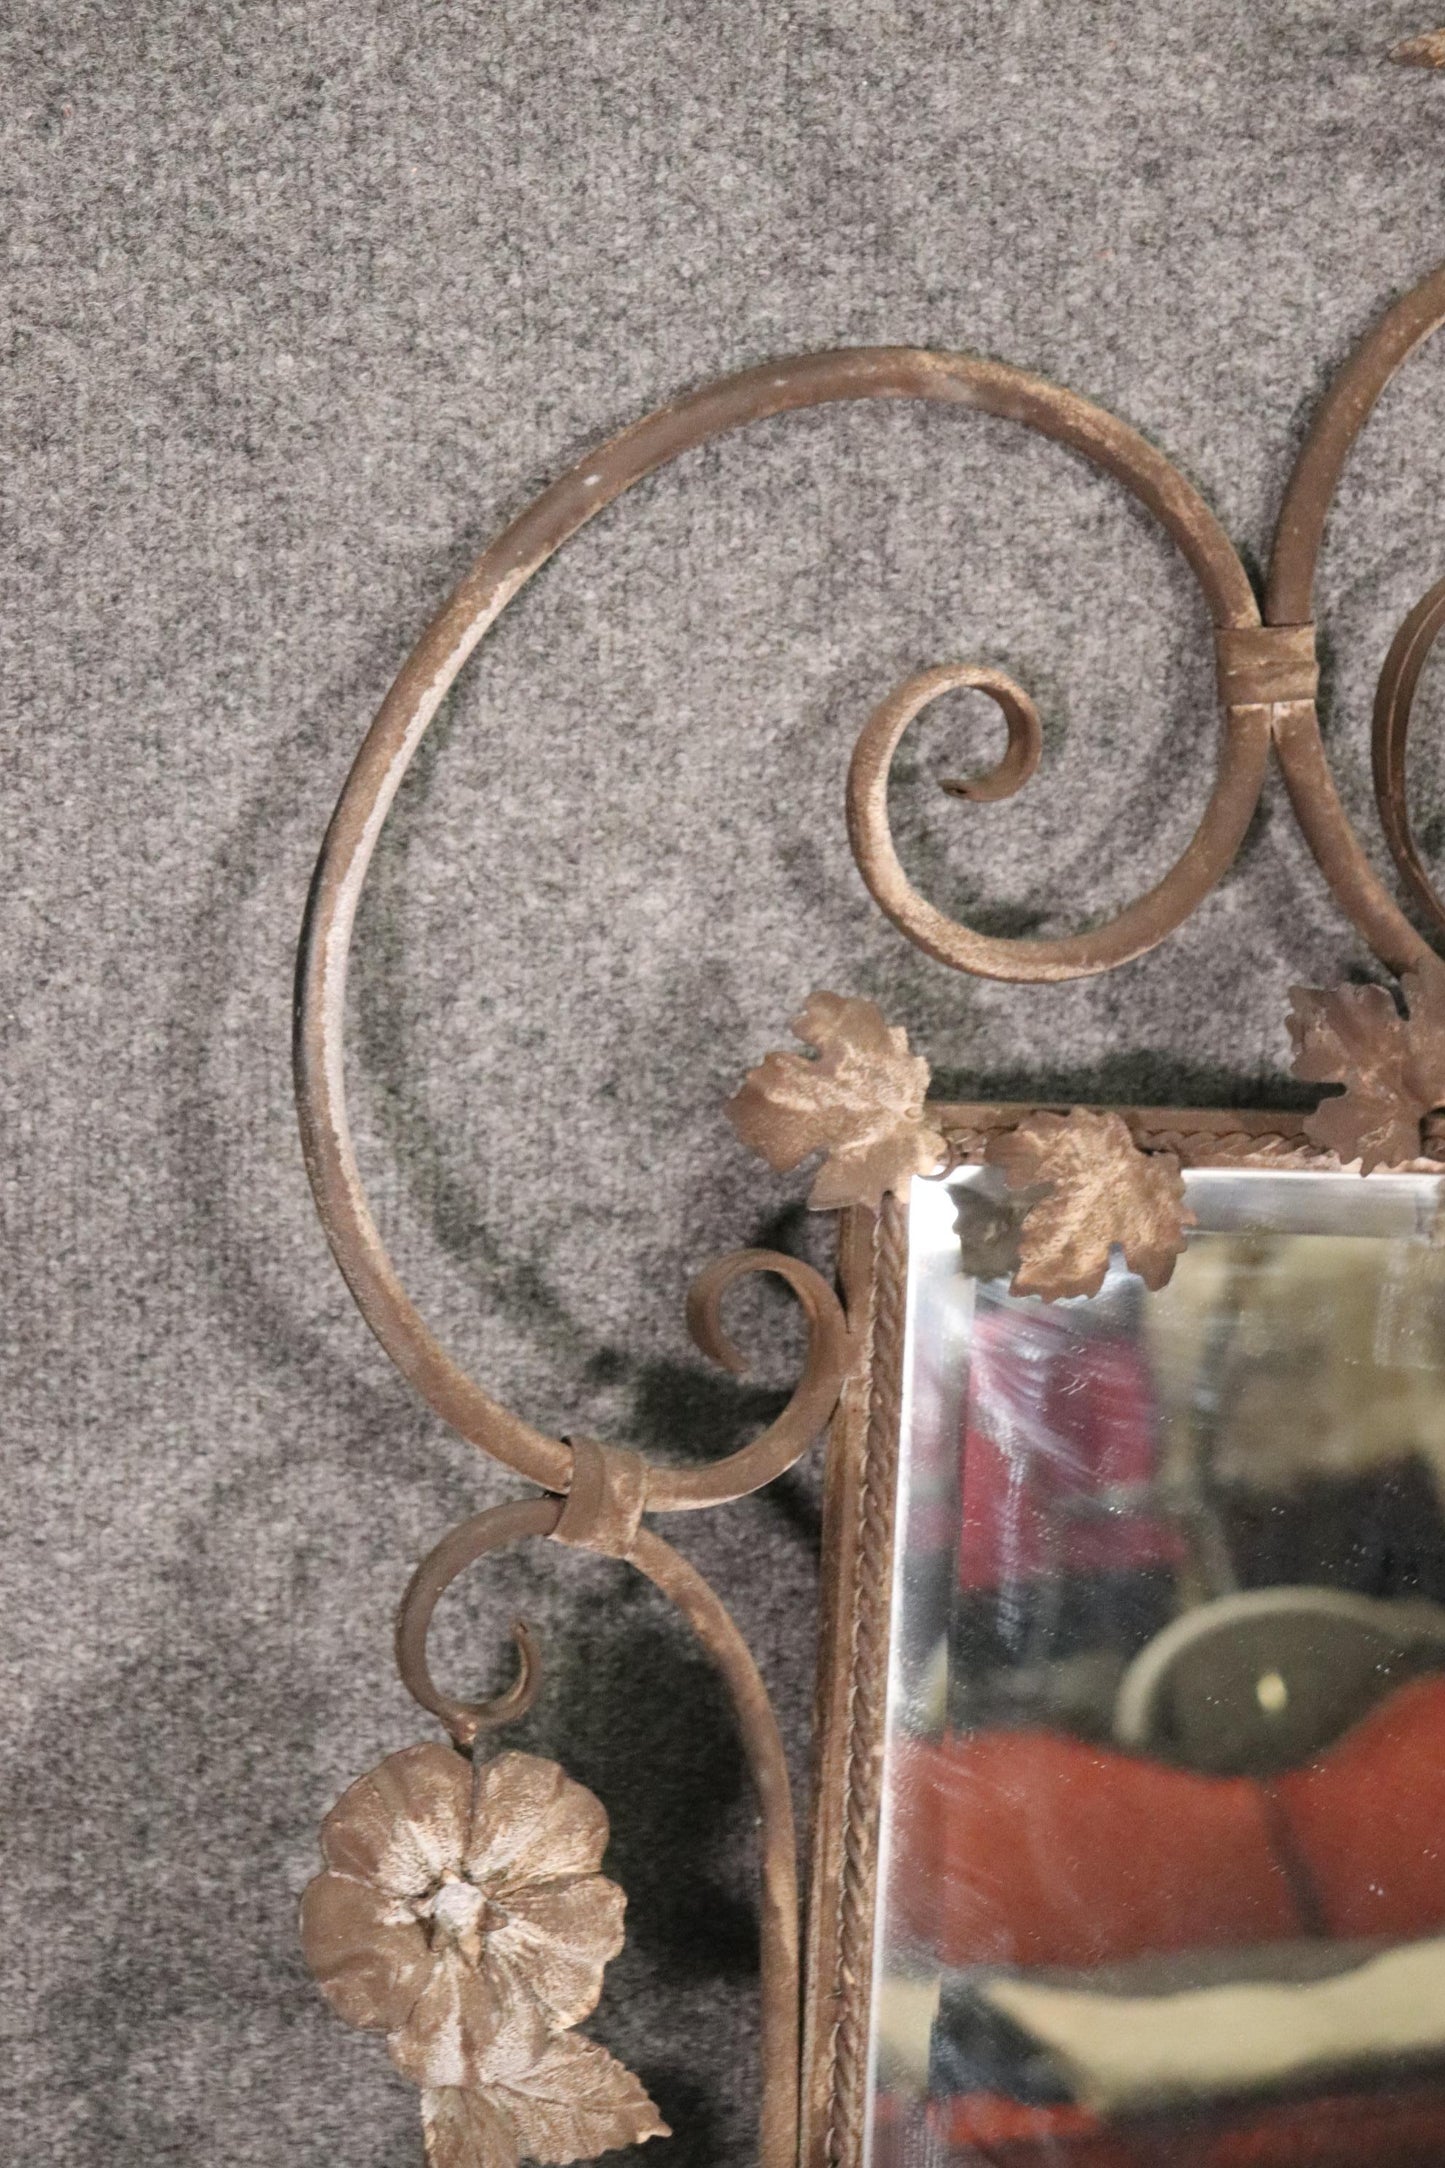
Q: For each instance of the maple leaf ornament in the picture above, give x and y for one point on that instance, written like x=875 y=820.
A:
x=1099 y=1191
x=861 y=1103
x=1392 y=1066
x=1425 y=51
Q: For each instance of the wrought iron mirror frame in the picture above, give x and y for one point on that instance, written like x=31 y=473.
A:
x=877 y=1128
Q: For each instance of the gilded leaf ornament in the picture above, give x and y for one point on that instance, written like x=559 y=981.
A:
x=1085 y=1185
x=1391 y=1065
x=1426 y=51
x=461 y=1912
x=861 y=1102
x=1098 y=1190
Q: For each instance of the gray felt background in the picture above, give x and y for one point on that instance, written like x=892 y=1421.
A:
x=304 y=301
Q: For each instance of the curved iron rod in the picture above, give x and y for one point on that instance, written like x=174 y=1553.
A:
x=487 y=1531
x=814 y=1397
x=714 y=1628
x=781 y=1985
x=1025 y=745
x=1394 y=699
x=1133 y=931
x=1289 y=600
x=498 y=575
x=1339 y=418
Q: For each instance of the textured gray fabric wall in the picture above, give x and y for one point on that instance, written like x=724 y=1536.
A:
x=304 y=302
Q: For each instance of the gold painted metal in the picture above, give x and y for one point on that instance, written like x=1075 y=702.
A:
x=1197 y=1136
x=862 y=1104
x=606 y=1489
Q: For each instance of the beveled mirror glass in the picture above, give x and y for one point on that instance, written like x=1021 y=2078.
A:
x=1163 y=1835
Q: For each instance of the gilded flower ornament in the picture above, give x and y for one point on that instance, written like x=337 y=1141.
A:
x=461 y=1912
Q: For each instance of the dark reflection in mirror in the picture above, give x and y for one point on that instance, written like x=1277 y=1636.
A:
x=1163 y=1871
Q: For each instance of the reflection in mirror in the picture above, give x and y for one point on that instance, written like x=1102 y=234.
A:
x=1163 y=1858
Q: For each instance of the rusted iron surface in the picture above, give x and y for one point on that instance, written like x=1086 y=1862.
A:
x=843 y=1569
x=1198 y=1136
x=762 y=1746
x=1025 y=746
x=1289 y=600
x=1267 y=680
x=1394 y=699
x=484 y=1533
x=853 y=1758
x=1141 y=926
x=498 y=576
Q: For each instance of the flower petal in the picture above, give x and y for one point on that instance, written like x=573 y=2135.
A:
x=577 y=2101
x=464 y=2023
x=464 y=2129
x=369 y=1955
x=532 y=1823
x=557 y=1940
x=403 y=1825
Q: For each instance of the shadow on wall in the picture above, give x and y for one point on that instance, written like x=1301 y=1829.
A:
x=180 y=1783
x=173 y=1796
